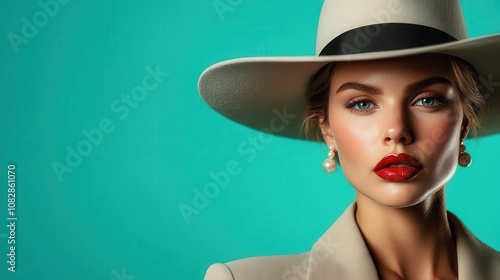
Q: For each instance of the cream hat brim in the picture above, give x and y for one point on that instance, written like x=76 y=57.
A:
x=268 y=93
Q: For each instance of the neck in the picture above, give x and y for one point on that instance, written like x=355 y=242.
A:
x=410 y=243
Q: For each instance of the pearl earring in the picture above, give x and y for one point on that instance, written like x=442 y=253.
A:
x=329 y=164
x=464 y=158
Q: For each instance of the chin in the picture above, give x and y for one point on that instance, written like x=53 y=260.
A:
x=402 y=195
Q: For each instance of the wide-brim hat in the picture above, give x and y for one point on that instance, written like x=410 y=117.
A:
x=268 y=93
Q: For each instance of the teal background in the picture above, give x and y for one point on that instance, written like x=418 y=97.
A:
x=116 y=215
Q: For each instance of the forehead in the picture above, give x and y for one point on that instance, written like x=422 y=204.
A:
x=410 y=68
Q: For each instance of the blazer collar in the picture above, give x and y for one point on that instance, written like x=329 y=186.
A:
x=341 y=253
x=476 y=260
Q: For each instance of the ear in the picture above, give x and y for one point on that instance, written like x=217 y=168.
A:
x=464 y=131
x=327 y=133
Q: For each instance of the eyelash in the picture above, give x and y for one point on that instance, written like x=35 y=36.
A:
x=441 y=99
x=352 y=103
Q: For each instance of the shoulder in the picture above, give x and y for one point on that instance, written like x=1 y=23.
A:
x=476 y=260
x=261 y=268
x=218 y=271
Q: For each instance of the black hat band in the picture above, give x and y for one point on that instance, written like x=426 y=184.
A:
x=385 y=37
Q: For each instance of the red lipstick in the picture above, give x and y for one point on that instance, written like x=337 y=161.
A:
x=397 y=168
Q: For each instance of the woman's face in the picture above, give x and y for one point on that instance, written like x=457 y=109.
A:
x=406 y=110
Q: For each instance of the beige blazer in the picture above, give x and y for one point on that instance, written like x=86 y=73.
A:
x=341 y=253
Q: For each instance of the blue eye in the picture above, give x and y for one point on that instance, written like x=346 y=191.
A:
x=362 y=105
x=429 y=101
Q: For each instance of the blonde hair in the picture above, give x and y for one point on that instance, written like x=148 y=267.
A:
x=465 y=77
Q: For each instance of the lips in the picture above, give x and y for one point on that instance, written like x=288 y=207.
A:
x=397 y=168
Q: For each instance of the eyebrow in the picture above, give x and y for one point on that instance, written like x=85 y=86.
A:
x=410 y=88
x=359 y=87
x=427 y=82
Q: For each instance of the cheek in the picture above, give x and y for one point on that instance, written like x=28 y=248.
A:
x=355 y=138
x=438 y=139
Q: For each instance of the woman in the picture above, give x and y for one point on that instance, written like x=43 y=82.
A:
x=393 y=92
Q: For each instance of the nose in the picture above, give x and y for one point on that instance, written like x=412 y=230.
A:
x=398 y=129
